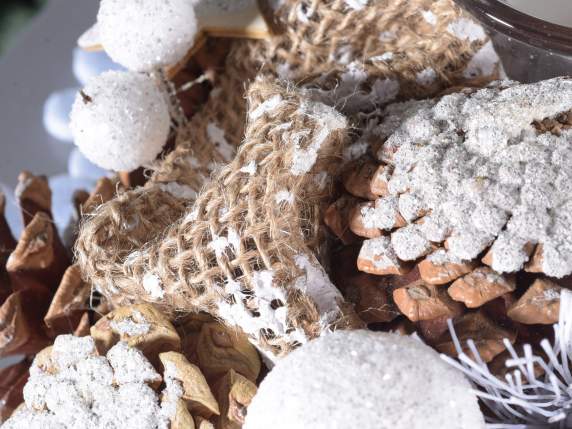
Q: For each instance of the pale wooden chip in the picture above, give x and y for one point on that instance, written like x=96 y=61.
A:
x=221 y=348
x=234 y=393
x=183 y=418
x=196 y=391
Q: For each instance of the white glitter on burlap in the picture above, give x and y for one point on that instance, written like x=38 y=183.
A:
x=120 y=120
x=366 y=380
x=145 y=35
x=484 y=173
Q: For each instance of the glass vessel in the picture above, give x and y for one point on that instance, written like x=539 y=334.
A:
x=531 y=49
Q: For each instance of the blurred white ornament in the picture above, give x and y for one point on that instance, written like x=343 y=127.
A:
x=12 y=211
x=87 y=65
x=63 y=188
x=367 y=380
x=56 y=114
x=120 y=120
x=79 y=167
x=523 y=399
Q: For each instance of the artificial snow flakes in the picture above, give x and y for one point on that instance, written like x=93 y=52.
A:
x=426 y=76
x=131 y=326
x=305 y=157
x=152 y=285
x=484 y=62
x=466 y=29
x=217 y=137
x=364 y=380
x=120 y=120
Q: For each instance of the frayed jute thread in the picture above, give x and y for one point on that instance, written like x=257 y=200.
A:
x=150 y=230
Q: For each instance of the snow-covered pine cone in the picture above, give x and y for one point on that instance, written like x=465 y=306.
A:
x=135 y=369
x=465 y=206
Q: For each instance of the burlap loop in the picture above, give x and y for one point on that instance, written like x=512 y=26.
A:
x=244 y=251
x=109 y=235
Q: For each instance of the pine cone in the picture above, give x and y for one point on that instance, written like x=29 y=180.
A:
x=41 y=294
x=465 y=211
x=141 y=370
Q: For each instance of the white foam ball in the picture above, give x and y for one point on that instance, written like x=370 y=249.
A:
x=88 y=64
x=56 y=114
x=63 y=188
x=12 y=211
x=143 y=35
x=120 y=121
x=80 y=167
x=366 y=380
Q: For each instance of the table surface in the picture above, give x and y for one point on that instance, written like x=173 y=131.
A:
x=38 y=61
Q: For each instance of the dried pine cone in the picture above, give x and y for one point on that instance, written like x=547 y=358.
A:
x=464 y=204
x=134 y=370
x=41 y=294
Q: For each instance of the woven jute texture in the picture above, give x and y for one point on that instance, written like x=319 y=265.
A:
x=242 y=252
x=389 y=48
x=354 y=60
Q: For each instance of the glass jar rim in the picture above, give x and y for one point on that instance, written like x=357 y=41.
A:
x=525 y=28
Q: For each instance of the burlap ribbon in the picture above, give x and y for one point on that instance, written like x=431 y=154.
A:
x=156 y=243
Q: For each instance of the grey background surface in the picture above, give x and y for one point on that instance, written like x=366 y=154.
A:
x=37 y=63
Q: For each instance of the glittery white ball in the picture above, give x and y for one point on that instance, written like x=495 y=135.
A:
x=120 y=120
x=144 y=35
x=366 y=380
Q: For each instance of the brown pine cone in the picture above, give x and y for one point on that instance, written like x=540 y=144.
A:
x=465 y=221
x=41 y=294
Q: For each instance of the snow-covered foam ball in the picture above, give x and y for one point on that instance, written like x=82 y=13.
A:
x=120 y=120
x=143 y=35
x=366 y=380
